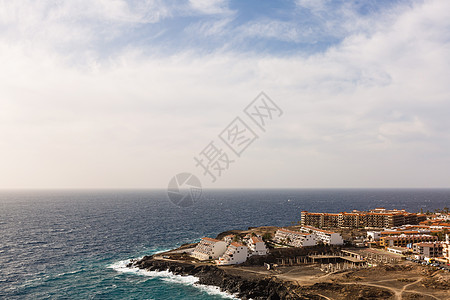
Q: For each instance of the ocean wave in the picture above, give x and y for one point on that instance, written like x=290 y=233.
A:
x=160 y=251
x=69 y=273
x=121 y=267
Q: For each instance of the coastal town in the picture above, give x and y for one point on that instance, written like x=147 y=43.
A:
x=410 y=235
x=412 y=249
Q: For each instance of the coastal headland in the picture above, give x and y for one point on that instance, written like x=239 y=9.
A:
x=319 y=272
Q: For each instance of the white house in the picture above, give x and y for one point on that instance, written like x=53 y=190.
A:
x=209 y=248
x=236 y=253
x=327 y=237
x=397 y=250
x=257 y=246
x=374 y=235
x=295 y=238
x=229 y=238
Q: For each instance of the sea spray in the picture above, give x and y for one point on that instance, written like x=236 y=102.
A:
x=122 y=267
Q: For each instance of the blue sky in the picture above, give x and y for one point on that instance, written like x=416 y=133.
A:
x=272 y=27
x=123 y=94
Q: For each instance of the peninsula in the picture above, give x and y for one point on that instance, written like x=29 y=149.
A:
x=306 y=262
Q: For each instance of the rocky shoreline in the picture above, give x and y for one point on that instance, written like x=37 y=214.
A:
x=257 y=287
x=243 y=287
x=287 y=279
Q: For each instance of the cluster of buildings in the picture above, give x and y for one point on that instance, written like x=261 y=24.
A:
x=307 y=236
x=228 y=251
x=234 y=250
x=375 y=218
x=437 y=222
x=420 y=240
x=396 y=231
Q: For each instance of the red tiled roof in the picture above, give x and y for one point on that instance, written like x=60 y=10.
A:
x=208 y=239
x=373 y=212
x=291 y=231
x=256 y=239
x=409 y=237
x=317 y=229
x=236 y=244
x=434 y=245
x=400 y=232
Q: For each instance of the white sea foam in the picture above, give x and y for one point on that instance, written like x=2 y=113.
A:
x=160 y=251
x=121 y=267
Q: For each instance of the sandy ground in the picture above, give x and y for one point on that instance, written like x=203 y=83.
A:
x=404 y=281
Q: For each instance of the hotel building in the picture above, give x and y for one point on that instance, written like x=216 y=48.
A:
x=209 y=248
x=295 y=238
x=327 y=237
x=376 y=218
x=236 y=253
x=257 y=246
x=428 y=249
x=404 y=240
x=446 y=249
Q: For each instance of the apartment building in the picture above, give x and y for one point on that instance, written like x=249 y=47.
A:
x=236 y=253
x=209 y=248
x=404 y=240
x=229 y=238
x=257 y=246
x=428 y=249
x=295 y=238
x=327 y=237
x=446 y=249
x=376 y=218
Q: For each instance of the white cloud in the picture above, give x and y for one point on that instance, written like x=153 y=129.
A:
x=279 y=30
x=319 y=23
x=374 y=104
x=210 y=6
x=74 y=24
x=314 y=5
x=210 y=28
x=403 y=129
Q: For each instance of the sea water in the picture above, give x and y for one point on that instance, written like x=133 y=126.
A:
x=76 y=244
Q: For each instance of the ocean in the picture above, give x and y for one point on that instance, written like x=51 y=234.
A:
x=75 y=244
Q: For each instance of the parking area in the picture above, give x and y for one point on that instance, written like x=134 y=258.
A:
x=436 y=264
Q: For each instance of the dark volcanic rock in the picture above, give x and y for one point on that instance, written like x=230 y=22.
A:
x=244 y=288
x=247 y=286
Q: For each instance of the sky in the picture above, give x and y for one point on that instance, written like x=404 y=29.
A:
x=125 y=94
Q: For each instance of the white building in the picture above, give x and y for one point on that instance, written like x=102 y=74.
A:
x=327 y=237
x=374 y=235
x=236 y=253
x=209 y=248
x=295 y=238
x=257 y=246
x=229 y=238
x=429 y=249
x=397 y=250
x=446 y=248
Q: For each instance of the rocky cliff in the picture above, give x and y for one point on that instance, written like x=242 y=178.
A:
x=244 y=287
